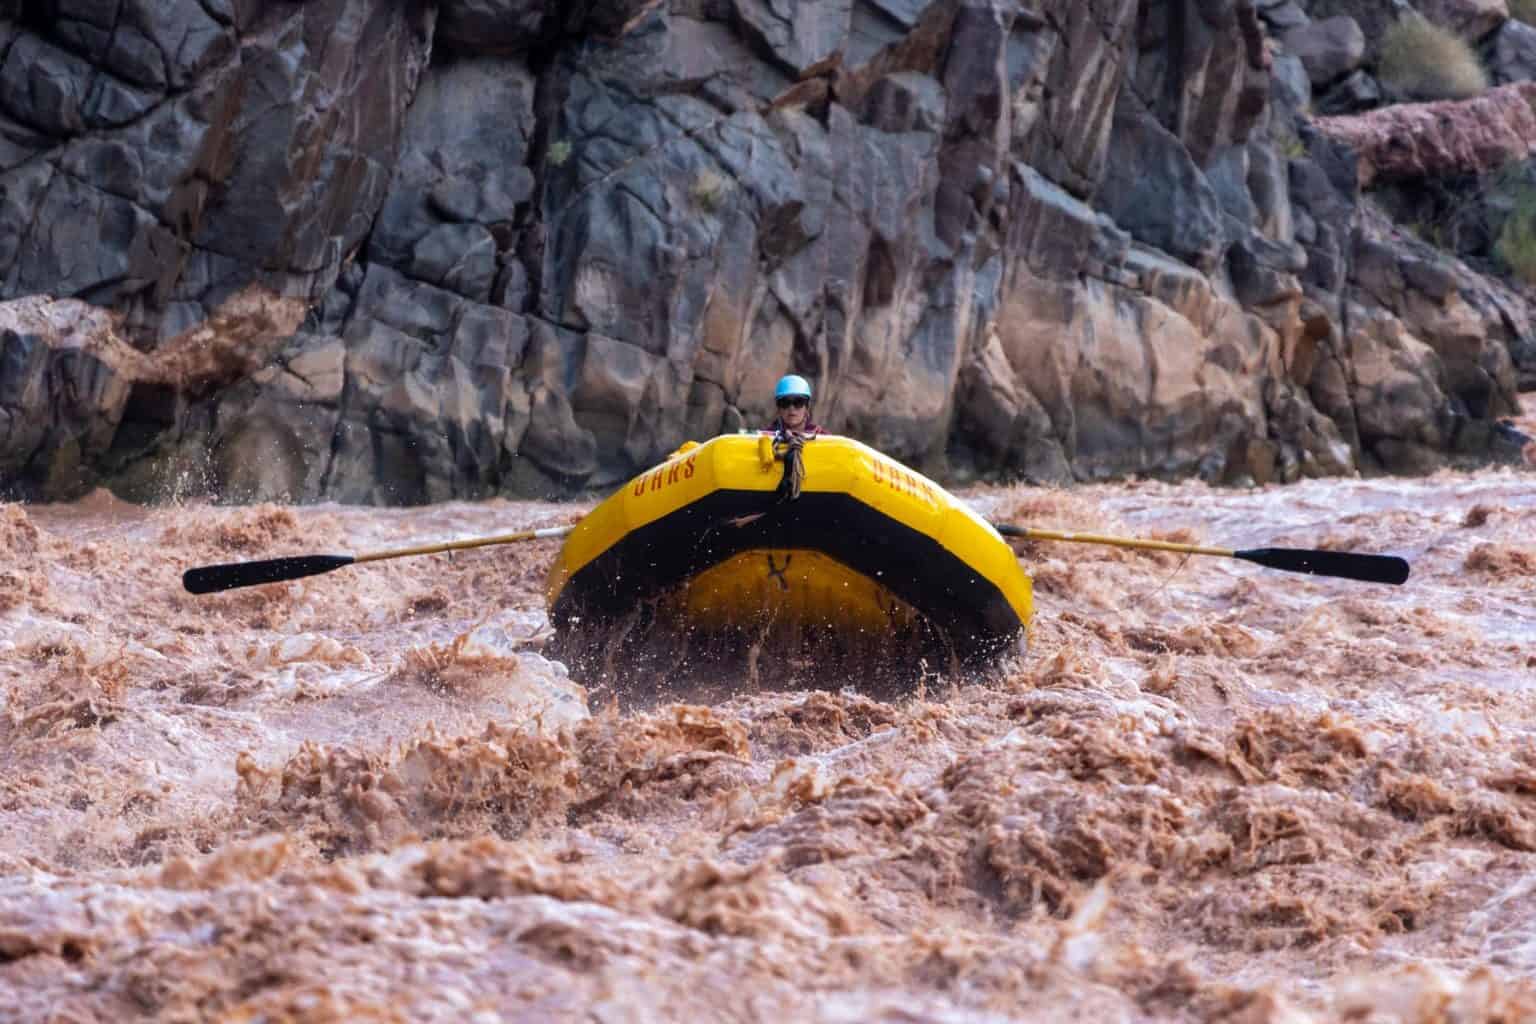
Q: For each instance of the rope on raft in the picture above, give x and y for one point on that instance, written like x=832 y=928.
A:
x=794 y=466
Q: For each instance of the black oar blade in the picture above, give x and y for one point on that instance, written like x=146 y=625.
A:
x=207 y=579
x=1345 y=564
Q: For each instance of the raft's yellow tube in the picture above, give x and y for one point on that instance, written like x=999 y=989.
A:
x=868 y=545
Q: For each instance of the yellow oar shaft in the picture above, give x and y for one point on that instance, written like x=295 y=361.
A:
x=1032 y=533
x=460 y=545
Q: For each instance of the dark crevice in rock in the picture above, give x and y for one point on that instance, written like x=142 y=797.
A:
x=150 y=410
x=885 y=17
x=218 y=11
x=759 y=43
x=38 y=16
x=698 y=89
x=338 y=433
x=880 y=274
x=65 y=172
x=117 y=24
x=103 y=293
x=628 y=190
x=551 y=86
x=37 y=211
x=806 y=356
x=285 y=364
x=1177 y=42
x=9 y=44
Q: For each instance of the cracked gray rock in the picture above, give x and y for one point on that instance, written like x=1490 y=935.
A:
x=410 y=252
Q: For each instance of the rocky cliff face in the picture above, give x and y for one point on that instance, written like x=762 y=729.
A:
x=408 y=251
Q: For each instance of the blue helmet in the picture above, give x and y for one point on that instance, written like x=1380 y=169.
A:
x=792 y=386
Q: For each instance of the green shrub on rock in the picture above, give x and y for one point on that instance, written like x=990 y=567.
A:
x=1516 y=246
x=1422 y=61
x=708 y=190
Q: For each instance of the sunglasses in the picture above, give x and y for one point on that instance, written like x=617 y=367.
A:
x=793 y=403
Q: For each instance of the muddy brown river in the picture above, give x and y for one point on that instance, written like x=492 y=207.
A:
x=1212 y=792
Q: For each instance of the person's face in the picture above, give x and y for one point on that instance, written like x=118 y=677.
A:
x=795 y=412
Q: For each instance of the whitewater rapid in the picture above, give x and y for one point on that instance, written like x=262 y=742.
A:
x=1211 y=791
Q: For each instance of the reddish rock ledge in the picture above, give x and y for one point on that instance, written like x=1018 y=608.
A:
x=1421 y=140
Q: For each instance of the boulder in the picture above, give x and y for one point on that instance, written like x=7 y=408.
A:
x=1510 y=53
x=1427 y=316
x=1290 y=87
x=1056 y=234
x=1282 y=17
x=1328 y=49
x=1471 y=19
x=1153 y=190
x=1159 y=378
x=798 y=34
x=1372 y=16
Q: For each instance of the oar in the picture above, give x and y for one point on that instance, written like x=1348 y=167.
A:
x=1347 y=564
x=208 y=579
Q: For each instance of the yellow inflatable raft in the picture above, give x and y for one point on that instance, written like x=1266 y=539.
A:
x=867 y=565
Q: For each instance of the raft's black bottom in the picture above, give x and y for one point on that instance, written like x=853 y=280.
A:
x=609 y=623
x=647 y=658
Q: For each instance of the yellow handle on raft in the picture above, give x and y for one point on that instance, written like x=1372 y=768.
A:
x=765 y=454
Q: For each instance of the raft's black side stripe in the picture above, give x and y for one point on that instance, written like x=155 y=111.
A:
x=914 y=566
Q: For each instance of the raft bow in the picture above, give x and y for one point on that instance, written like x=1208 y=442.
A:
x=825 y=549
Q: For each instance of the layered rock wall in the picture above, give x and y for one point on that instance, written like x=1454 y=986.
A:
x=405 y=252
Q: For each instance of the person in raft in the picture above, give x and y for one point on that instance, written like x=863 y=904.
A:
x=793 y=398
